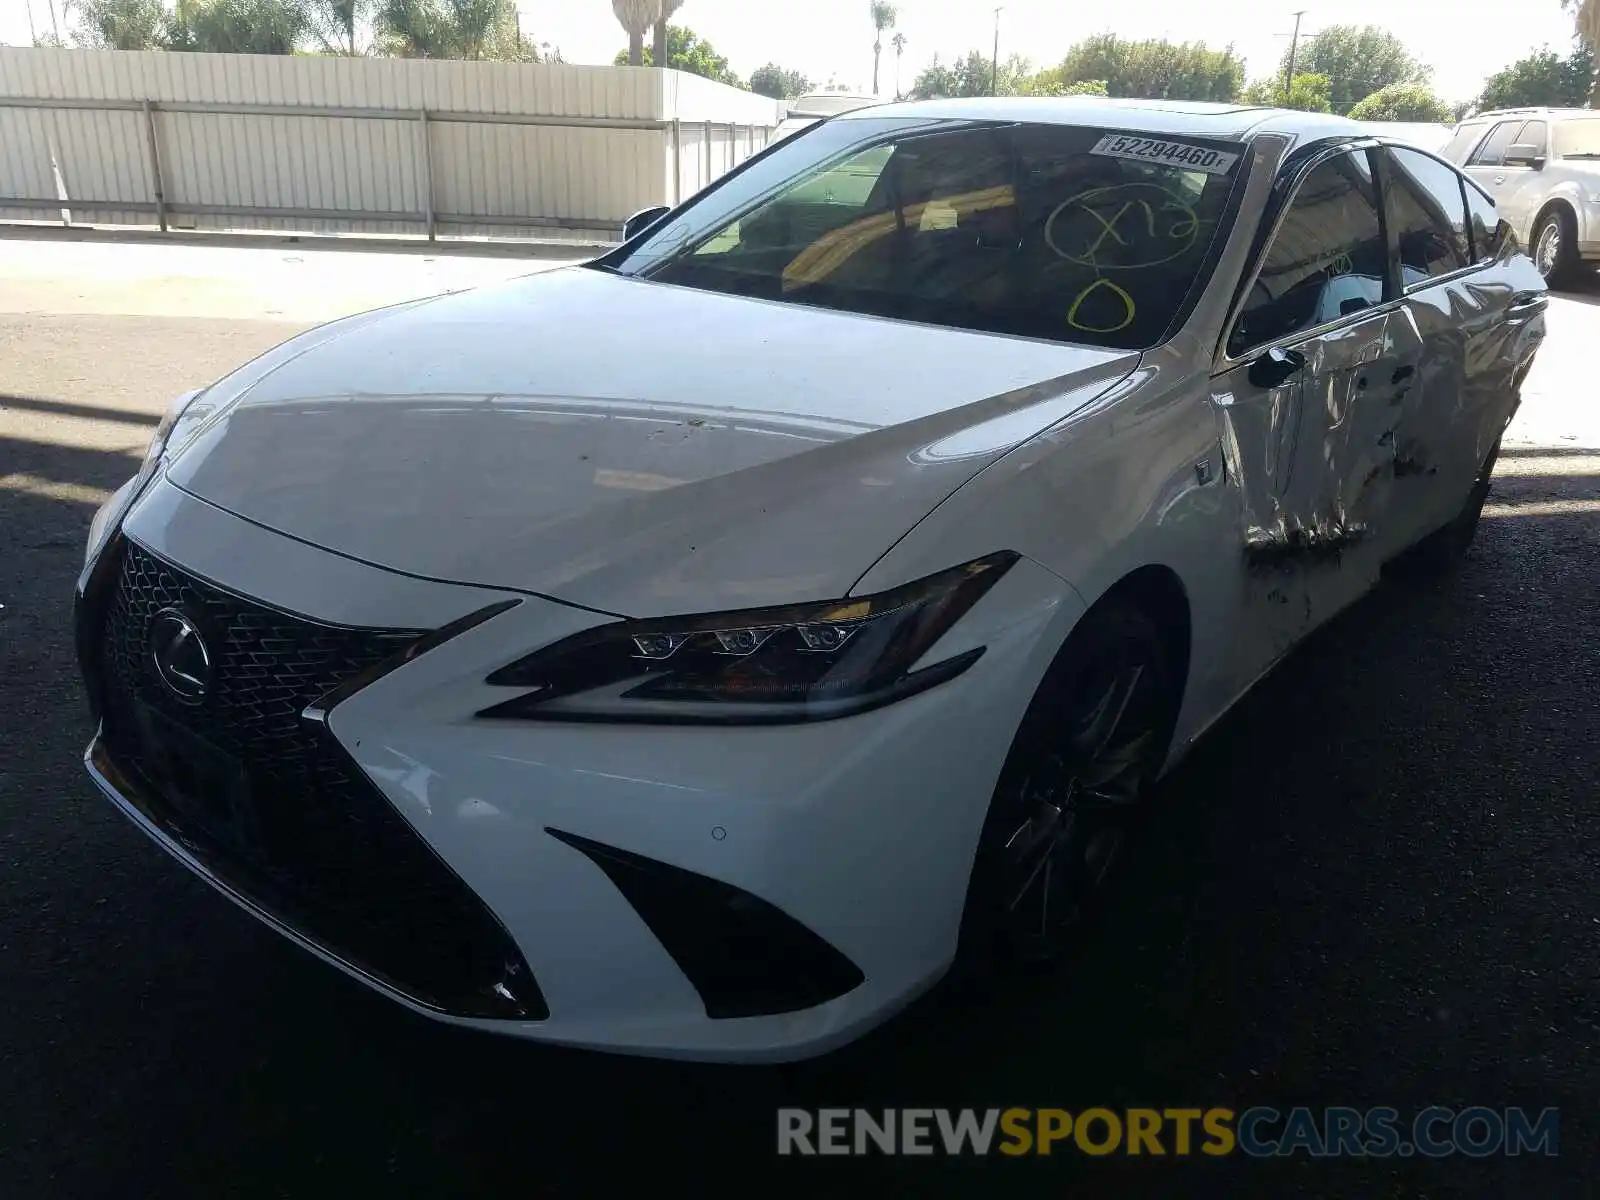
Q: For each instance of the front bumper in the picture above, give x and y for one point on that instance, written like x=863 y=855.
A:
x=760 y=893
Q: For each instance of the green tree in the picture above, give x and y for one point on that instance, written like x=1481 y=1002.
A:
x=238 y=26
x=773 y=80
x=687 y=52
x=899 y=44
x=1155 y=69
x=1358 y=60
x=1404 y=102
x=1543 y=78
x=1309 y=93
x=969 y=76
x=1046 y=83
x=883 y=17
x=470 y=29
x=119 y=24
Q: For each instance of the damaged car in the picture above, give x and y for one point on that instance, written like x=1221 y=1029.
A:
x=698 y=651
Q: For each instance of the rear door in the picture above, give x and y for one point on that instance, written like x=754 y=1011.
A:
x=1469 y=307
x=1308 y=441
x=1520 y=192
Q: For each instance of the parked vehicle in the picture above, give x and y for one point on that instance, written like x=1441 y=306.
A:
x=696 y=651
x=1429 y=137
x=1542 y=166
x=807 y=110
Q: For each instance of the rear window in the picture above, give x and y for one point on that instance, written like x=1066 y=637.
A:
x=1057 y=232
x=1462 y=141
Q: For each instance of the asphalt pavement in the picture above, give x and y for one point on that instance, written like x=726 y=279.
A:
x=1373 y=884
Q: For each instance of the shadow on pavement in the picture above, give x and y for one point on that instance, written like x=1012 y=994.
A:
x=91 y=412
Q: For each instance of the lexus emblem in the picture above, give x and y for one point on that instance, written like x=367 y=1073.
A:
x=180 y=656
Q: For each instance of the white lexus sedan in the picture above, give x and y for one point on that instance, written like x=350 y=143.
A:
x=698 y=651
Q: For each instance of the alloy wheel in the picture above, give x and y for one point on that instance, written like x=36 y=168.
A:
x=1073 y=805
x=1548 y=251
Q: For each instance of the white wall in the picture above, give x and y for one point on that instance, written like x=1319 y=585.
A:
x=616 y=157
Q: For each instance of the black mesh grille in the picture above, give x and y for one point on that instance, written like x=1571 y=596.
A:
x=311 y=840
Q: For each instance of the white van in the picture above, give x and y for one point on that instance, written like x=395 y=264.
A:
x=818 y=106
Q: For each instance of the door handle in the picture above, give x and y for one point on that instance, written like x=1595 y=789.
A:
x=1527 y=304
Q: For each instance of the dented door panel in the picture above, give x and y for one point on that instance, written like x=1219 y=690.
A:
x=1313 y=459
x=1479 y=334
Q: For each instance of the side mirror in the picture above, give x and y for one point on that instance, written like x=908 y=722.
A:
x=642 y=220
x=1276 y=367
x=1524 y=154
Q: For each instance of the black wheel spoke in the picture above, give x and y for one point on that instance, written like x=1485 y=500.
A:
x=1081 y=780
x=1105 y=717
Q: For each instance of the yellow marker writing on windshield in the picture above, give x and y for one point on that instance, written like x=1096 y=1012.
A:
x=1130 y=309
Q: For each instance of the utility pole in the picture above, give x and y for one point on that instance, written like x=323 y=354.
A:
x=1294 y=47
x=994 y=63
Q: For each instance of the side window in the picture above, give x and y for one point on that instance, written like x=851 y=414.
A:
x=1537 y=135
x=1484 y=223
x=1428 y=214
x=1494 y=146
x=1462 y=142
x=1327 y=260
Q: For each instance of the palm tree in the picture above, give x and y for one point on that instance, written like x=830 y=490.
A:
x=636 y=16
x=334 y=23
x=883 y=16
x=238 y=26
x=659 y=53
x=1588 y=14
x=120 y=24
x=899 y=44
x=471 y=29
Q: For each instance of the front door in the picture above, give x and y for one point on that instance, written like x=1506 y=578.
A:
x=1308 y=403
x=1487 y=163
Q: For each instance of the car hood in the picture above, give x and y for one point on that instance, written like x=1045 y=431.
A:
x=637 y=448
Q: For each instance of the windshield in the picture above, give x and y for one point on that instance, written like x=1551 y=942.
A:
x=1059 y=232
x=1578 y=138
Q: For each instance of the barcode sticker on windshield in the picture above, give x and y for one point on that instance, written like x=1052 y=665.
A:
x=1167 y=154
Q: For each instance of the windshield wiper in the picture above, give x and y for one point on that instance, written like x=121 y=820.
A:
x=1585 y=154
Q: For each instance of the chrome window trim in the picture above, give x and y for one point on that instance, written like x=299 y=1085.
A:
x=1495 y=125
x=1408 y=289
x=1222 y=361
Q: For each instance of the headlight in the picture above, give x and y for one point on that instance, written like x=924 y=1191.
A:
x=182 y=418
x=808 y=662
x=178 y=423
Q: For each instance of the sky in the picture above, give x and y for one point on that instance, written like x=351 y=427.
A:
x=831 y=40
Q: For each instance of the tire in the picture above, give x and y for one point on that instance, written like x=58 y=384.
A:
x=1071 y=791
x=1444 y=550
x=1555 y=247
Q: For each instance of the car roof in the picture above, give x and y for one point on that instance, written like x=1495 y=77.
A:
x=1172 y=117
x=1496 y=114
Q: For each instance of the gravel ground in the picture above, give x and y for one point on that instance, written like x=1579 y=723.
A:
x=1373 y=884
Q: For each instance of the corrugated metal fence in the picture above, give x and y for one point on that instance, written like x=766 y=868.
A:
x=224 y=141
